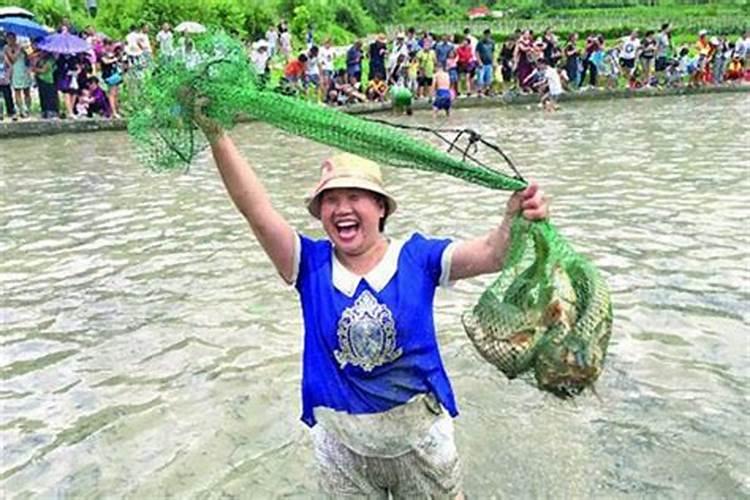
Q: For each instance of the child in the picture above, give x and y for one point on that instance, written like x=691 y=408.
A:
x=442 y=91
x=82 y=103
x=612 y=68
x=451 y=66
x=377 y=89
x=412 y=74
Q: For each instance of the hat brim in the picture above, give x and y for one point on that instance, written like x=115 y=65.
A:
x=313 y=200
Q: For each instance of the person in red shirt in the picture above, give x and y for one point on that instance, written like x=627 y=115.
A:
x=466 y=63
x=294 y=73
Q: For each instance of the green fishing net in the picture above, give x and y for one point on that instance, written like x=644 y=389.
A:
x=547 y=316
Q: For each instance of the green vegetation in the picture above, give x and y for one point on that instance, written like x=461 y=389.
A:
x=344 y=20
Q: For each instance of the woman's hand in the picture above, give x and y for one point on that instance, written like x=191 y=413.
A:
x=532 y=203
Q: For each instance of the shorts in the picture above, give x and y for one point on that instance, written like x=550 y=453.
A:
x=431 y=469
x=453 y=75
x=424 y=81
x=627 y=63
x=467 y=68
x=442 y=99
x=312 y=80
x=661 y=63
x=485 y=75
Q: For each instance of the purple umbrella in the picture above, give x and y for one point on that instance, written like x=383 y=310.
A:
x=64 y=43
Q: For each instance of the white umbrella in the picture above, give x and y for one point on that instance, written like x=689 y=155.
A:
x=190 y=27
x=15 y=12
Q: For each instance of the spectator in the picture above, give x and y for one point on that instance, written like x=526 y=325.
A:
x=99 y=104
x=272 y=35
x=506 y=59
x=327 y=55
x=285 y=41
x=91 y=7
x=112 y=69
x=466 y=64
x=44 y=69
x=663 y=48
x=572 y=59
x=629 y=55
x=485 y=56
x=165 y=39
x=522 y=59
x=442 y=49
x=377 y=89
x=377 y=53
x=20 y=74
x=5 y=87
x=647 y=55
x=354 y=63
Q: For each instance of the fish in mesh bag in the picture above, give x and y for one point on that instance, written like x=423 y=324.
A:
x=548 y=312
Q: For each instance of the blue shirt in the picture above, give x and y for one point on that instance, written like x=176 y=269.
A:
x=442 y=49
x=370 y=342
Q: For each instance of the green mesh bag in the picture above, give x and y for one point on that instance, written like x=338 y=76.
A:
x=547 y=314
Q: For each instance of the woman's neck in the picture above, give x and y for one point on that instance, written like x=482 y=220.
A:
x=361 y=264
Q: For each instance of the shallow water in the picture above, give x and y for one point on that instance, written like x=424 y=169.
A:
x=149 y=349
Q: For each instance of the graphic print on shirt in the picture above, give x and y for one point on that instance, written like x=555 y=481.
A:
x=367 y=334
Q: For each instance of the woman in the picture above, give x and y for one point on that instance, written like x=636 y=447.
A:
x=648 y=52
x=44 y=69
x=374 y=389
x=111 y=64
x=507 y=52
x=572 y=59
x=20 y=74
x=466 y=64
x=522 y=59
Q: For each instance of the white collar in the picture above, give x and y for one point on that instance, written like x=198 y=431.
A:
x=378 y=277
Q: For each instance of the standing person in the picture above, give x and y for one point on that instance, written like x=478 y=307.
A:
x=485 y=56
x=6 y=70
x=260 y=57
x=285 y=42
x=412 y=44
x=589 y=66
x=522 y=61
x=91 y=7
x=554 y=88
x=472 y=39
x=507 y=53
x=442 y=49
x=327 y=55
x=466 y=64
x=572 y=59
x=44 y=69
x=354 y=63
x=629 y=55
x=647 y=55
x=312 y=72
x=375 y=393
x=111 y=64
x=427 y=61
x=552 y=52
x=165 y=39
x=310 y=36
x=145 y=43
x=272 y=36
x=663 y=49
x=377 y=52
x=20 y=74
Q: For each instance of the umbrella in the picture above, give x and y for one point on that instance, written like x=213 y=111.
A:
x=190 y=27
x=22 y=27
x=15 y=12
x=64 y=43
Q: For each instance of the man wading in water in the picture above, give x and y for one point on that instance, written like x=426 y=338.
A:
x=374 y=390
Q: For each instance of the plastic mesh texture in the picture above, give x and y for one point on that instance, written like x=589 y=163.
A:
x=548 y=312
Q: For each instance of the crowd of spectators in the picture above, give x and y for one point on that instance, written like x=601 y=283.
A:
x=88 y=84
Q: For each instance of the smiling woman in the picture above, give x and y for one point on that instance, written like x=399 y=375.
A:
x=374 y=389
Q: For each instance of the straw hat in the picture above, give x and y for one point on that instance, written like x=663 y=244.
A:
x=346 y=170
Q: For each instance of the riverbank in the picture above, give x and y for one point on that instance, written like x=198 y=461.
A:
x=38 y=127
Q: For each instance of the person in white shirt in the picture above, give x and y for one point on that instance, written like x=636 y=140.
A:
x=285 y=44
x=326 y=55
x=259 y=58
x=272 y=37
x=165 y=40
x=629 y=53
x=145 y=43
x=554 y=85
